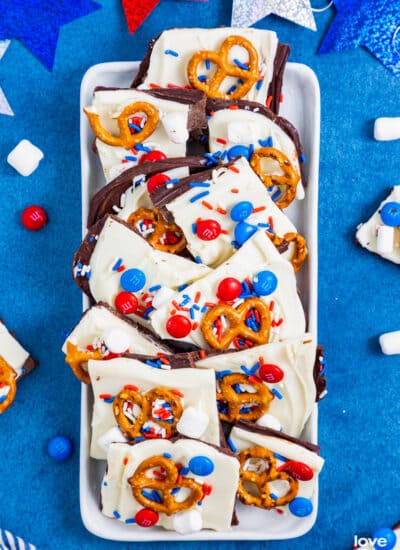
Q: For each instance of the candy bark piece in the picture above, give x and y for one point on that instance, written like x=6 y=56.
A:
x=194 y=387
x=216 y=472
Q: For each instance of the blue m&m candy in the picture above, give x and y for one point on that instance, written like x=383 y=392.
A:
x=238 y=151
x=60 y=447
x=388 y=535
x=301 y=507
x=265 y=283
x=201 y=466
x=133 y=280
x=241 y=211
x=390 y=214
x=243 y=232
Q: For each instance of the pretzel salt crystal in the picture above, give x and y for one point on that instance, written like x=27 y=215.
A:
x=236 y=318
x=289 y=179
x=126 y=138
x=265 y=497
x=248 y=77
x=164 y=485
x=160 y=228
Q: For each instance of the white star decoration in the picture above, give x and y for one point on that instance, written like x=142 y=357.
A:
x=5 y=108
x=247 y=12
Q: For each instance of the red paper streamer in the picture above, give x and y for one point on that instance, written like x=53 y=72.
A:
x=136 y=12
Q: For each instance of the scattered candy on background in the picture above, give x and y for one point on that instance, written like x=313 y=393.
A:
x=8 y=541
x=387 y=128
x=25 y=157
x=34 y=217
x=60 y=447
x=390 y=343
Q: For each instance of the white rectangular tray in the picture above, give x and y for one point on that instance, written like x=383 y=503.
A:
x=302 y=107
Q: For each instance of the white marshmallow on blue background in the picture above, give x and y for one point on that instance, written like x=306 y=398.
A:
x=187 y=522
x=175 y=126
x=387 y=128
x=390 y=343
x=192 y=423
x=25 y=157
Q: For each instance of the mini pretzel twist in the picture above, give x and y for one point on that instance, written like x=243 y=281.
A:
x=76 y=359
x=161 y=230
x=164 y=487
x=225 y=69
x=263 y=479
x=8 y=378
x=300 y=247
x=289 y=179
x=261 y=398
x=126 y=138
x=236 y=318
x=133 y=428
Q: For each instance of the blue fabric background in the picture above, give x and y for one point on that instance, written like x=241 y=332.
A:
x=359 y=420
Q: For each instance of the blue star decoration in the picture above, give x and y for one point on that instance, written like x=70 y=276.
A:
x=374 y=24
x=37 y=23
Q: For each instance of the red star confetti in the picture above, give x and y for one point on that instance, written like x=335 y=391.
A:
x=136 y=12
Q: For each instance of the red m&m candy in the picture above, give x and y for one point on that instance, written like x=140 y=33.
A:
x=298 y=470
x=156 y=181
x=146 y=517
x=153 y=156
x=178 y=326
x=270 y=373
x=126 y=302
x=229 y=289
x=34 y=218
x=208 y=230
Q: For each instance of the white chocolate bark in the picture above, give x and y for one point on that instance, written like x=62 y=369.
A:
x=223 y=180
x=95 y=324
x=217 y=508
x=256 y=255
x=12 y=351
x=137 y=196
x=117 y=241
x=295 y=397
x=244 y=439
x=110 y=377
x=166 y=68
x=368 y=233
x=245 y=127
x=110 y=103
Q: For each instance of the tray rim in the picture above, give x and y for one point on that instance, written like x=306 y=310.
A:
x=207 y=535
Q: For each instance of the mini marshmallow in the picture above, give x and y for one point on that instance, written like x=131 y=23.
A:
x=116 y=340
x=162 y=295
x=384 y=238
x=241 y=132
x=192 y=423
x=175 y=126
x=187 y=522
x=114 y=435
x=25 y=157
x=387 y=129
x=390 y=343
x=269 y=421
